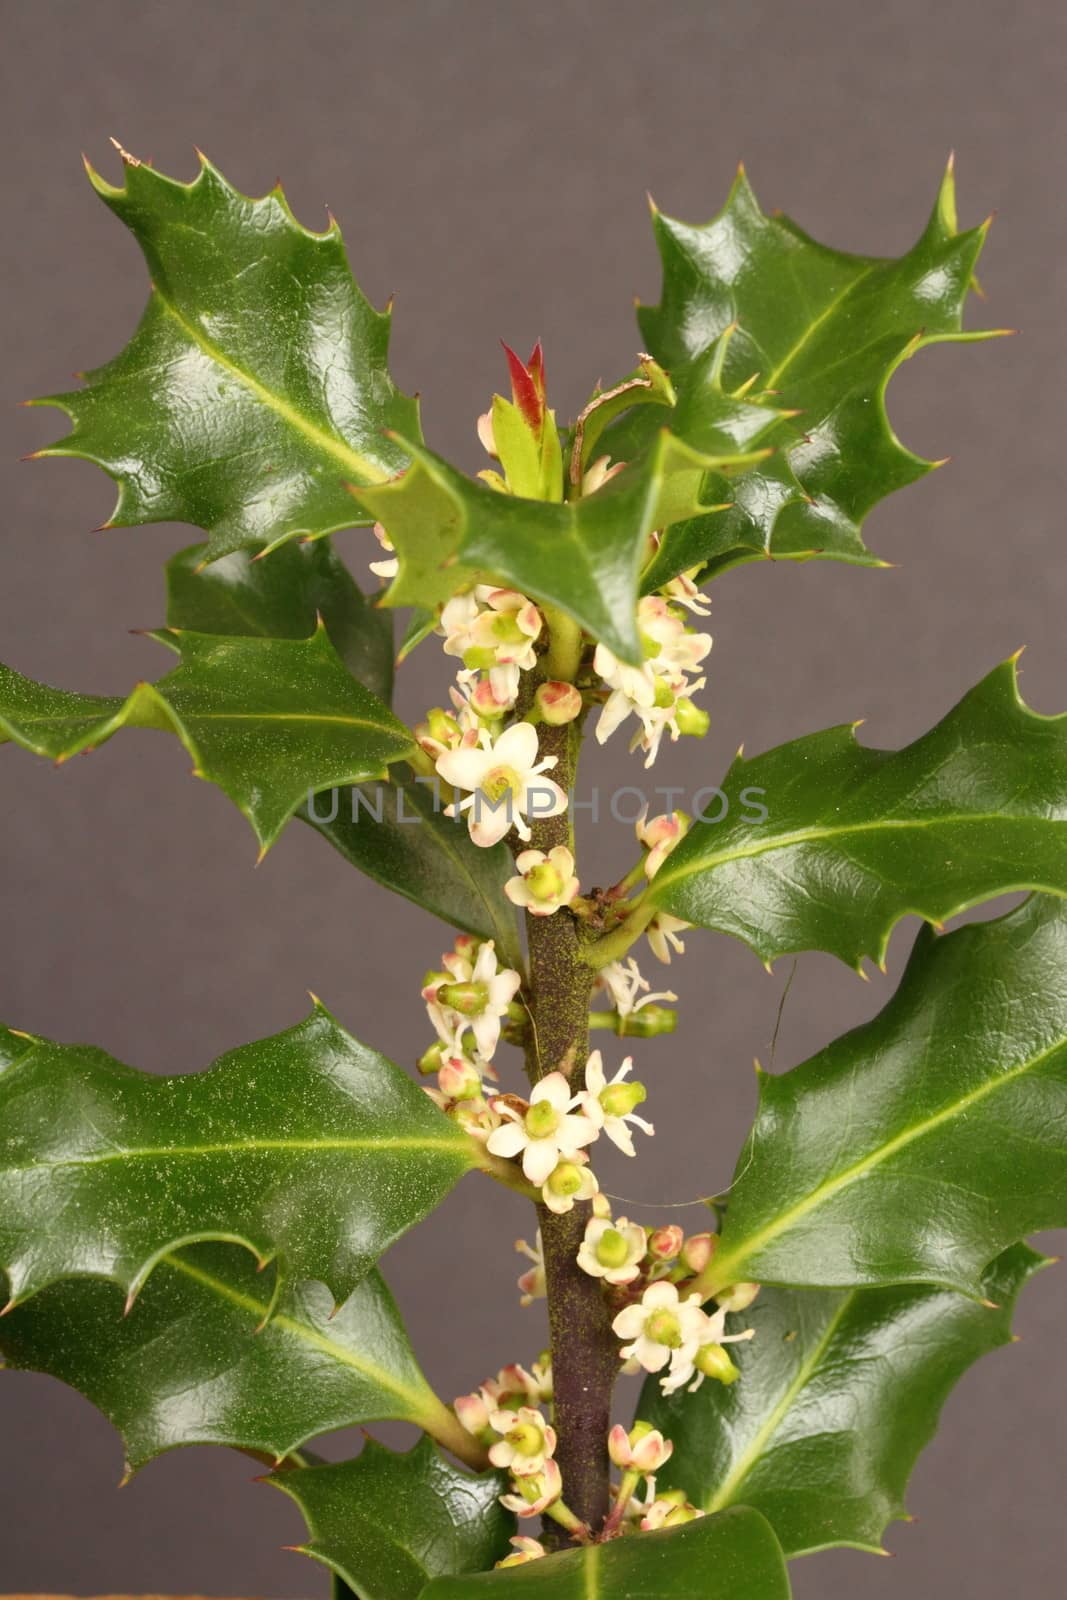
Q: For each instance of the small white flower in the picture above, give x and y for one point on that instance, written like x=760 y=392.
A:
x=473 y=1411
x=477 y=999
x=571 y=1181
x=492 y=627
x=526 y=1444
x=663 y=1330
x=535 y=1492
x=547 y=1133
x=623 y=983
x=684 y=592
x=663 y=933
x=657 y=690
x=612 y=1250
x=505 y=781
x=545 y=882
x=390 y=567
x=709 y=1359
x=610 y=1106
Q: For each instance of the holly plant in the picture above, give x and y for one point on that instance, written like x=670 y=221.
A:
x=199 y=1255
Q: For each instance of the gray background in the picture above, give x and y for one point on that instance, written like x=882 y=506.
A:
x=488 y=164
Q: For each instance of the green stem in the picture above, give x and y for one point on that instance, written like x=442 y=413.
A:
x=614 y=945
x=442 y=1424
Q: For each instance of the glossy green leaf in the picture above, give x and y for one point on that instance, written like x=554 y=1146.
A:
x=306 y=1145
x=256 y=385
x=583 y=556
x=269 y=720
x=854 y=839
x=839 y=1393
x=386 y=1523
x=918 y=1146
x=397 y=833
x=735 y=1554
x=282 y=596
x=823 y=332
x=216 y=1352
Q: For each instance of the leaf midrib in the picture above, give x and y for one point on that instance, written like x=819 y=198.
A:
x=750 y=1456
x=726 y=1263
x=350 y=459
x=302 y=1330
x=242 y=1146
x=783 y=841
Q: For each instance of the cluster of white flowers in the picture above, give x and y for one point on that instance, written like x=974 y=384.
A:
x=505 y=1415
x=658 y=692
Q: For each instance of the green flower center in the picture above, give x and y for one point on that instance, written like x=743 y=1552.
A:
x=544 y=882
x=566 y=1180
x=499 y=782
x=541 y=1120
x=525 y=1439
x=663 y=1327
x=612 y=1248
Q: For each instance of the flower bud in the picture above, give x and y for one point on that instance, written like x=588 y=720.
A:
x=473 y=1413
x=443 y=727
x=619 y=1099
x=680 y=1514
x=738 y=1297
x=648 y=1023
x=691 y=719
x=666 y=1243
x=557 y=703
x=431 y=1059
x=698 y=1250
x=713 y=1361
x=459 y=1079
x=469 y=999
x=601 y=1206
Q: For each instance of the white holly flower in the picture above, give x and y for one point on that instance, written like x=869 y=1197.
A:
x=526 y=1444
x=491 y=627
x=658 y=691
x=623 y=983
x=663 y=933
x=546 y=1133
x=390 y=567
x=545 y=882
x=662 y=1330
x=610 y=1106
x=710 y=1359
x=643 y=1449
x=684 y=592
x=612 y=1250
x=506 y=782
x=477 y=1000
x=571 y=1181
x=535 y=1492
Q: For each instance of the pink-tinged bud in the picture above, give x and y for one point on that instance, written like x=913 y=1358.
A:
x=738 y=1297
x=557 y=703
x=665 y=829
x=698 y=1250
x=485 y=434
x=666 y=1243
x=485 y=702
x=619 y=1448
x=601 y=1206
x=458 y=1079
x=651 y=1452
x=473 y=1413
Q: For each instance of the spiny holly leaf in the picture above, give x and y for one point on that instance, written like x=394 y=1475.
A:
x=734 y=1554
x=583 y=556
x=854 y=839
x=282 y=597
x=839 y=1393
x=215 y=1352
x=256 y=384
x=306 y=1145
x=397 y=833
x=821 y=331
x=269 y=720
x=387 y=1523
x=916 y=1147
